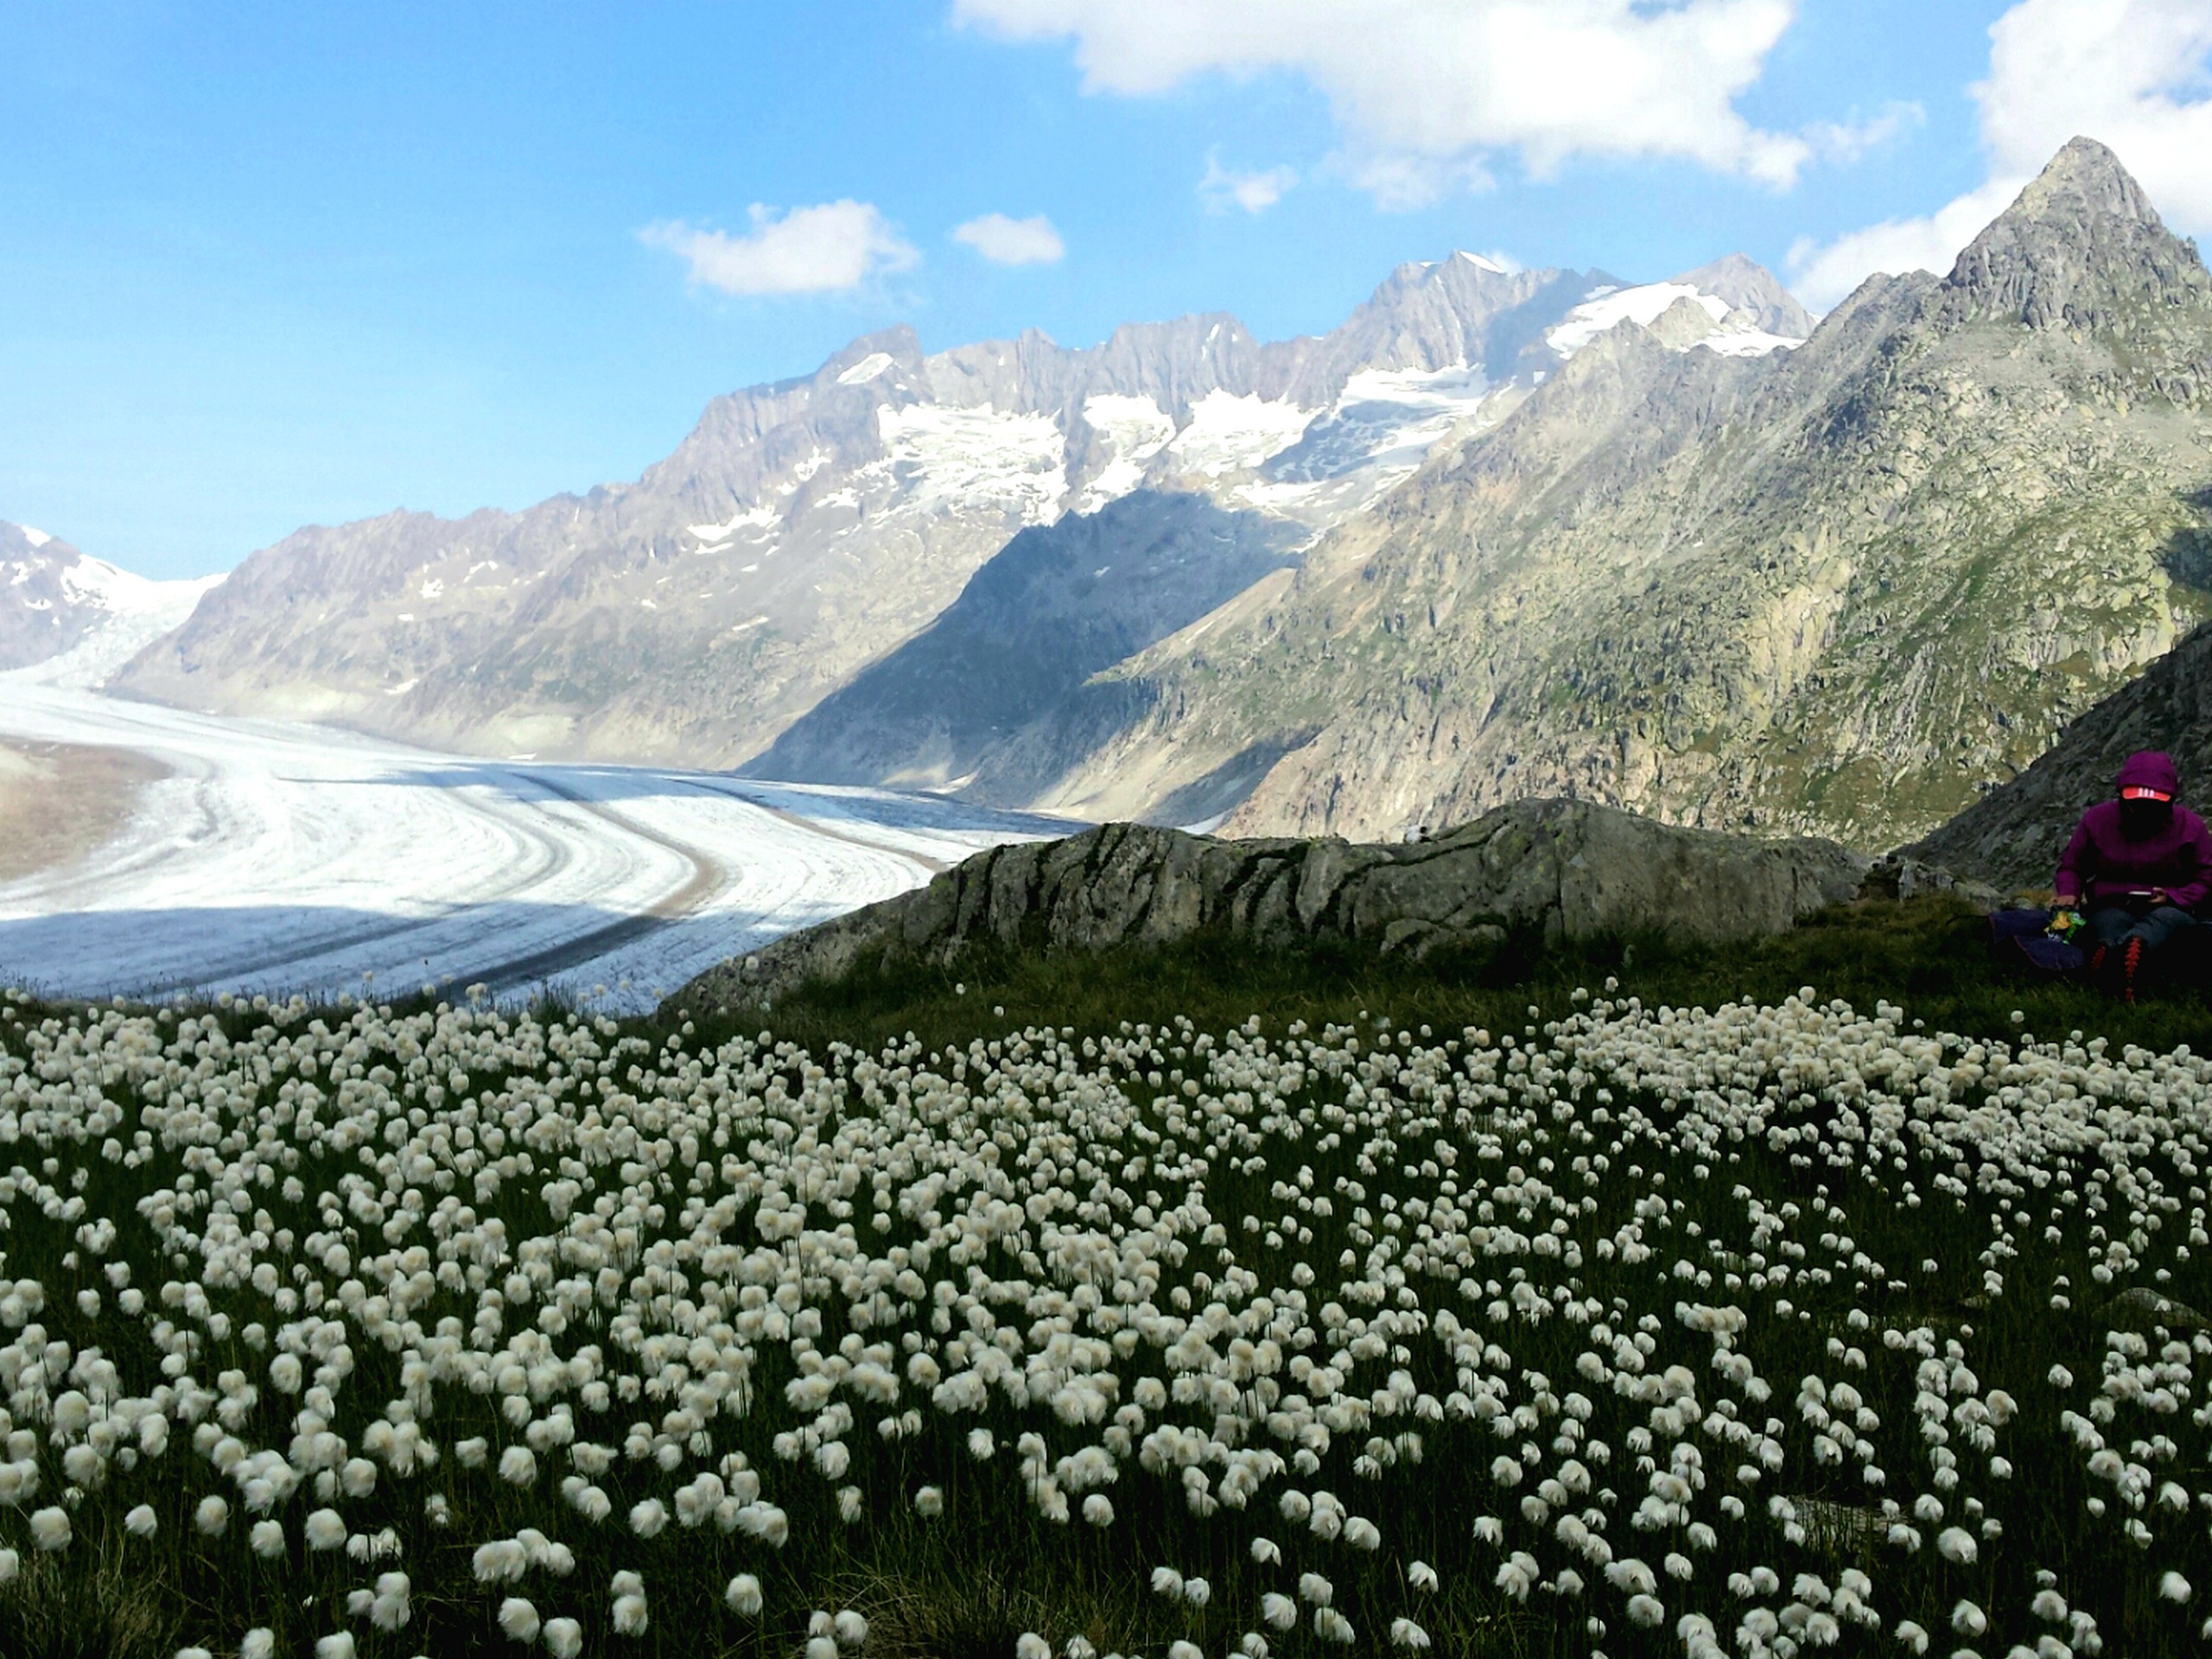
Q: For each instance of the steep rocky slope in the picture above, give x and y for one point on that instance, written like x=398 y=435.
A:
x=806 y=530
x=1060 y=603
x=2013 y=835
x=58 y=602
x=1838 y=589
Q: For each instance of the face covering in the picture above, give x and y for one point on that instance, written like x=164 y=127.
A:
x=2138 y=820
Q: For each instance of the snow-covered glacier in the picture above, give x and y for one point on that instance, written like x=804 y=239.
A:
x=278 y=857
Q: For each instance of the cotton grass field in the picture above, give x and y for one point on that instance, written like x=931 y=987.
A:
x=1770 y=1325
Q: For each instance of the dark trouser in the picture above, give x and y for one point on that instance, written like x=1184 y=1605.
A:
x=2115 y=925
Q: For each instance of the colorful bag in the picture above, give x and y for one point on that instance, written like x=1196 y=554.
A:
x=2021 y=940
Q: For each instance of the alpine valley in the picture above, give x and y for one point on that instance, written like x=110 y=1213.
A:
x=1503 y=533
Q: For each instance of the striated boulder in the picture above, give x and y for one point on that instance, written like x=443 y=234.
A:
x=1566 y=868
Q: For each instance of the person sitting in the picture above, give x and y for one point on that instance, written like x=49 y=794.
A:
x=2138 y=864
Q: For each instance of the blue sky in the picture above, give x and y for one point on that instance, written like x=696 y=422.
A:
x=269 y=265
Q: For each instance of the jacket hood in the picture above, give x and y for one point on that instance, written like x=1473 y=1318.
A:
x=2149 y=769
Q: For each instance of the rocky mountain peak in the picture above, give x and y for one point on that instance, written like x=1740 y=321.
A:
x=1751 y=287
x=2080 y=247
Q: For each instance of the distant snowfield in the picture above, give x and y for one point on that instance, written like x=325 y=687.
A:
x=282 y=858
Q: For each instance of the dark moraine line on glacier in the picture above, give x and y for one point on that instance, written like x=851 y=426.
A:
x=708 y=877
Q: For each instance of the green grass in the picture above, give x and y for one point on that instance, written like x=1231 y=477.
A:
x=969 y=1584
x=1929 y=954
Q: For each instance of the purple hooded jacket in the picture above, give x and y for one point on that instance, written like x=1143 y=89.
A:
x=2103 y=864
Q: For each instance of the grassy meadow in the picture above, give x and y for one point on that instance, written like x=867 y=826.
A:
x=1828 y=1293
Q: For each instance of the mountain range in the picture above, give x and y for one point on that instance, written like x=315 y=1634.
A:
x=1502 y=533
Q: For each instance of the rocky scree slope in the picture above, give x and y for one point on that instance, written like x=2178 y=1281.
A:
x=1566 y=868
x=806 y=530
x=1834 y=590
x=2012 y=836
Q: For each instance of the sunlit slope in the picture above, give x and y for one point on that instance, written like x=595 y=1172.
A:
x=1839 y=589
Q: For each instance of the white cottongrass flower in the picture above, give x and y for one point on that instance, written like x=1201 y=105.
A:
x=1029 y=1645
x=1404 y=1633
x=212 y=1516
x=628 y=1590
x=1968 y=1619
x=1197 y=1591
x=518 y=1619
x=1916 y=1639
x=1333 y=1626
x=1266 y=1552
x=339 y=1644
x=259 y=1642
x=744 y=1595
x=1184 y=1650
x=1277 y=1610
x=1647 y=1611
x=1420 y=1576
x=50 y=1529
x=11 y=1565
x=849 y=1628
x=563 y=1637
x=2174 y=1588
x=648 y=1518
x=1166 y=1582
x=266 y=1540
x=141 y=1521
x=929 y=1503
x=1098 y=1510
x=389 y=1609
x=1956 y=1545
x=503 y=1561
x=518 y=1465
x=1313 y=1587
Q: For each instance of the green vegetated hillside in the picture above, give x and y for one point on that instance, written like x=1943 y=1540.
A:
x=1839 y=589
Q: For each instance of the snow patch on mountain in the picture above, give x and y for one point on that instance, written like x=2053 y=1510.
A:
x=866 y=369
x=1232 y=433
x=1133 y=430
x=136 y=612
x=946 y=456
x=1382 y=427
x=713 y=537
x=1733 y=333
x=35 y=538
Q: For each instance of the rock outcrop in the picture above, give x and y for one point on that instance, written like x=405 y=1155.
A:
x=1565 y=869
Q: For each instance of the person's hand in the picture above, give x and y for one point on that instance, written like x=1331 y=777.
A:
x=2064 y=921
x=2160 y=896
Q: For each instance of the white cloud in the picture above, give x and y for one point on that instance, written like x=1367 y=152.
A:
x=1005 y=241
x=1845 y=142
x=1423 y=89
x=1223 y=188
x=2122 y=71
x=826 y=248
